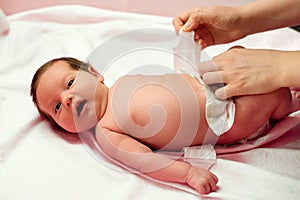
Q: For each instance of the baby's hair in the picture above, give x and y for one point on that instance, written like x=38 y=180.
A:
x=73 y=63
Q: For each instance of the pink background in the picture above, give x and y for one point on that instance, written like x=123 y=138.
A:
x=156 y=7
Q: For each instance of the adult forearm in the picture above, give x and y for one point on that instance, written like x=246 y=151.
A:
x=263 y=15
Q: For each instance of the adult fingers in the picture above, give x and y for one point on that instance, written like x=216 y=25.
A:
x=204 y=37
x=180 y=20
x=225 y=92
x=177 y=23
x=207 y=66
x=191 y=23
x=213 y=77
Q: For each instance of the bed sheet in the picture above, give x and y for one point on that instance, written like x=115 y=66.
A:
x=38 y=163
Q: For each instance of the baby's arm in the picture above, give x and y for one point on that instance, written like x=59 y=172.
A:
x=138 y=156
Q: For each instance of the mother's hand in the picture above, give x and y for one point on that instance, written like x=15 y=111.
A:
x=212 y=25
x=244 y=72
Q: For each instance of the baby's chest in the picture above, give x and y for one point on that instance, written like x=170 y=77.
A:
x=146 y=112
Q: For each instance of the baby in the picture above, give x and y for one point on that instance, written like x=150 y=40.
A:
x=141 y=114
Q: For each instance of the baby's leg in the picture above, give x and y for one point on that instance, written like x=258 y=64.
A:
x=295 y=100
x=289 y=102
x=255 y=110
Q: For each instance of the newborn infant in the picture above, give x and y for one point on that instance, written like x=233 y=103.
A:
x=140 y=115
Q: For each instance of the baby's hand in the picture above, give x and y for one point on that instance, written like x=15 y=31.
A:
x=203 y=181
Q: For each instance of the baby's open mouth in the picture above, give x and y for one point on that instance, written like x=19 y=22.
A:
x=80 y=107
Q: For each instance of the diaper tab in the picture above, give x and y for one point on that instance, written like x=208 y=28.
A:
x=187 y=54
x=202 y=152
x=203 y=156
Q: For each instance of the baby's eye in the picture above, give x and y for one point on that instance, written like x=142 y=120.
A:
x=57 y=106
x=70 y=83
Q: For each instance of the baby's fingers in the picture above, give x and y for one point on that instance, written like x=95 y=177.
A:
x=215 y=178
x=206 y=185
x=203 y=181
x=203 y=187
x=213 y=183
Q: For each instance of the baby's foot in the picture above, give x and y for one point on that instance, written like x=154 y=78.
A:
x=295 y=100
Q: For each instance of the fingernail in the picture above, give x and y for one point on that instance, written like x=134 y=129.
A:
x=220 y=94
x=186 y=26
x=202 y=44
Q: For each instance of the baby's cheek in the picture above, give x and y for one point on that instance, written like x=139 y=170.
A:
x=66 y=121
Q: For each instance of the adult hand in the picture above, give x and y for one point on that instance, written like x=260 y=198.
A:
x=244 y=71
x=212 y=25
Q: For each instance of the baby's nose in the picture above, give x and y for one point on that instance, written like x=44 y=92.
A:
x=67 y=100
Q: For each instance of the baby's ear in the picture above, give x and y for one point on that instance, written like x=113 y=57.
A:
x=93 y=71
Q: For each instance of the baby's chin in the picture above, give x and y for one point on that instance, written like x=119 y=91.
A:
x=80 y=128
x=84 y=123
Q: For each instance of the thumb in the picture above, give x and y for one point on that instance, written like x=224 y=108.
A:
x=191 y=24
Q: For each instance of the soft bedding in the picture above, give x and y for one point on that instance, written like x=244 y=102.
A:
x=37 y=162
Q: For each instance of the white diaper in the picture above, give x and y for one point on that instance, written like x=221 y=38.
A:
x=219 y=113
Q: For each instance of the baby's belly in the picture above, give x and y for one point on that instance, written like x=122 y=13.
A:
x=168 y=118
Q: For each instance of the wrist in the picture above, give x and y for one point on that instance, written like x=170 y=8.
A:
x=288 y=68
x=248 y=20
x=176 y=172
x=186 y=168
x=264 y=15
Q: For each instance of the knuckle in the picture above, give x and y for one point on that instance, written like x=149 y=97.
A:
x=194 y=16
x=202 y=182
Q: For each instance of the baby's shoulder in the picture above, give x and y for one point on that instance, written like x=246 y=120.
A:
x=140 y=79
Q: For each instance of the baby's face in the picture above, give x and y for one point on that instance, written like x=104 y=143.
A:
x=76 y=100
